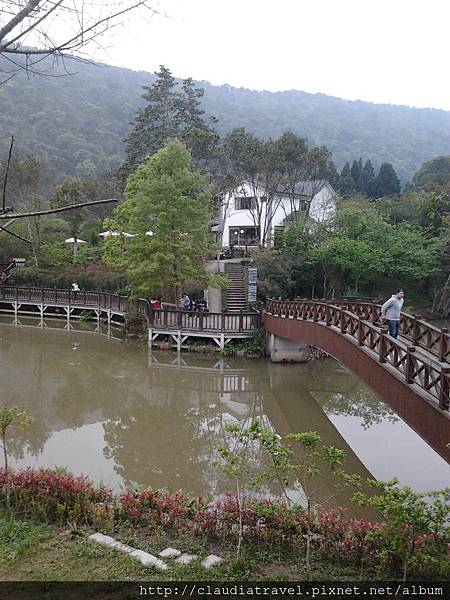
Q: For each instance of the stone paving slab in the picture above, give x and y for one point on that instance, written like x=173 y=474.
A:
x=144 y=558
x=185 y=559
x=170 y=553
x=211 y=561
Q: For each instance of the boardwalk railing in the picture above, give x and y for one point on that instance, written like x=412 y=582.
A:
x=84 y=298
x=239 y=322
x=168 y=319
x=413 y=364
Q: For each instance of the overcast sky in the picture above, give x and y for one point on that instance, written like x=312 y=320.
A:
x=394 y=51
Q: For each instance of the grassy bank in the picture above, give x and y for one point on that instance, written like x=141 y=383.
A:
x=32 y=551
x=52 y=513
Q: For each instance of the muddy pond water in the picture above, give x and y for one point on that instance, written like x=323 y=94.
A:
x=120 y=414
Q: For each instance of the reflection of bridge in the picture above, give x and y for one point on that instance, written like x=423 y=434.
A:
x=411 y=373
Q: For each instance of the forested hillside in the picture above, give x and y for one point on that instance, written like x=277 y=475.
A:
x=77 y=123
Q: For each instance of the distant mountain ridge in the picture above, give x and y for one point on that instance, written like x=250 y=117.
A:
x=77 y=123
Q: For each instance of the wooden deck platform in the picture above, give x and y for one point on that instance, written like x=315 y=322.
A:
x=178 y=325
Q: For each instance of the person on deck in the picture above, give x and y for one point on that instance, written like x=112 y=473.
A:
x=75 y=287
x=185 y=302
x=391 y=310
x=156 y=303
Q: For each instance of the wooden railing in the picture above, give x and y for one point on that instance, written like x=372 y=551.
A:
x=84 y=298
x=357 y=321
x=419 y=332
x=238 y=322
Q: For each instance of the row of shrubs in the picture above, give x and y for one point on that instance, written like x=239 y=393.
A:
x=56 y=496
x=98 y=279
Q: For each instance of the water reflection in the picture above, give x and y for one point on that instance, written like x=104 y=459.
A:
x=120 y=414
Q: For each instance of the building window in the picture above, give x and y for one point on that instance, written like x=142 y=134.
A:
x=244 y=236
x=244 y=203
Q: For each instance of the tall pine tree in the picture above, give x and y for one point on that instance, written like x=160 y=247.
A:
x=347 y=185
x=387 y=184
x=368 y=180
x=355 y=172
x=168 y=113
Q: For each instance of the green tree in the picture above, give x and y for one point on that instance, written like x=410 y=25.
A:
x=435 y=172
x=167 y=207
x=387 y=184
x=356 y=173
x=415 y=522
x=70 y=192
x=9 y=416
x=304 y=169
x=347 y=185
x=168 y=113
x=368 y=179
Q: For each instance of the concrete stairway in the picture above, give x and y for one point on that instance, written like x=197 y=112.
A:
x=236 y=296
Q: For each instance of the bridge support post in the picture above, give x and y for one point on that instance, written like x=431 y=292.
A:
x=150 y=337
x=282 y=350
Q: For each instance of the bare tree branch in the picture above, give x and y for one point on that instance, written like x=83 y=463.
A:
x=52 y=211
x=16 y=235
x=5 y=180
x=19 y=17
x=44 y=28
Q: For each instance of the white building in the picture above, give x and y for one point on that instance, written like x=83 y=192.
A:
x=250 y=215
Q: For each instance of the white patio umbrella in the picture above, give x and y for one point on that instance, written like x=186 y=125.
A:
x=72 y=240
x=105 y=234
x=75 y=242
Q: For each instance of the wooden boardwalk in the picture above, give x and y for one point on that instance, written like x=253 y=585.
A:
x=113 y=308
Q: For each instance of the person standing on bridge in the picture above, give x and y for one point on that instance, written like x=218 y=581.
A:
x=391 y=310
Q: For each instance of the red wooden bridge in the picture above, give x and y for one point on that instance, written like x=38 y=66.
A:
x=412 y=372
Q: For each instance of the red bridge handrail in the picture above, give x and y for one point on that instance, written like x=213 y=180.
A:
x=358 y=321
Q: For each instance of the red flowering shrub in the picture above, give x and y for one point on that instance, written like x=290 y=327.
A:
x=58 y=496
x=55 y=496
x=159 y=507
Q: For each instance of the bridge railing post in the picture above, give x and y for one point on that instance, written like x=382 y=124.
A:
x=360 y=332
x=304 y=309
x=343 y=323
x=444 y=394
x=382 y=344
x=179 y=319
x=241 y=320
x=409 y=364
x=222 y=322
x=443 y=344
x=374 y=313
x=315 y=316
x=416 y=328
x=328 y=316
